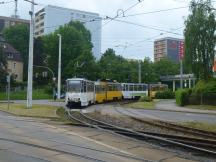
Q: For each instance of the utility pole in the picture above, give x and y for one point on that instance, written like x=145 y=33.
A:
x=139 y=71
x=181 y=74
x=8 y=90
x=181 y=56
x=15 y=11
x=59 y=67
x=30 y=61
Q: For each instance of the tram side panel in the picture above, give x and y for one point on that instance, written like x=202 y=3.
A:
x=100 y=92
x=134 y=90
x=114 y=92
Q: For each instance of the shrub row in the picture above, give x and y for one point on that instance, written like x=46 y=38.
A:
x=182 y=96
x=165 y=95
x=145 y=99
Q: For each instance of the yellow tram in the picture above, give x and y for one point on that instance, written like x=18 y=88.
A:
x=154 y=88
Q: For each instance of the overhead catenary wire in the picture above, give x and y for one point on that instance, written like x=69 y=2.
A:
x=147 y=27
x=117 y=15
x=6 y=2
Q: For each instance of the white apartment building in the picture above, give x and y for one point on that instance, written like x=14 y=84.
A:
x=50 y=18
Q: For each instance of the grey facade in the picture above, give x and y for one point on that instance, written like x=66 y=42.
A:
x=50 y=18
x=167 y=48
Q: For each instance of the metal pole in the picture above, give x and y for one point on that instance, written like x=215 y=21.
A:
x=30 y=61
x=8 y=91
x=59 y=68
x=15 y=12
x=139 y=72
x=181 y=74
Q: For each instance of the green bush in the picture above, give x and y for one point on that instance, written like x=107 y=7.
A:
x=205 y=87
x=165 y=95
x=182 y=96
x=145 y=99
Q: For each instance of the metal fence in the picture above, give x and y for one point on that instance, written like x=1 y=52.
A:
x=203 y=99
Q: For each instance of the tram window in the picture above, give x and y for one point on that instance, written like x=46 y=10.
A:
x=114 y=87
x=130 y=87
x=126 y=87
x=118 y=87
x=144 y=87
x=74 y=86
x=135 y=87
x=84 y=86
x=110 y=87
x=140 y=88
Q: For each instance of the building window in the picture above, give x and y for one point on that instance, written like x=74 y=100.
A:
x=10 y=55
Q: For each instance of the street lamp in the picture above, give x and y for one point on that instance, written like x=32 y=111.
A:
x=59 y=67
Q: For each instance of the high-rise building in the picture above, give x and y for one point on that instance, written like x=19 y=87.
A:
x=50 y=18
x=11 y=21
x=167 y=48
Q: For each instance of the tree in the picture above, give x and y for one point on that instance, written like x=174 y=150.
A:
x=18 y=37
x=166 y=67
x=200 y=39
x=77 y=57
x=3 y=66
x=148 y=72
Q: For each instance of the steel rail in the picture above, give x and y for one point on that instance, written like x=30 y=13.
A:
x=101 y=128
x=171 y=126
x=146 y=136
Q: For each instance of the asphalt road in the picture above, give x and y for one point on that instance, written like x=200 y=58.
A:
x=27 y=139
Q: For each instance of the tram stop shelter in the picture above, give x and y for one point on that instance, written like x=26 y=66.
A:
x=173 y=81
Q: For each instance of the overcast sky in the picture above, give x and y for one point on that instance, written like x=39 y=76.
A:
x=128 y=40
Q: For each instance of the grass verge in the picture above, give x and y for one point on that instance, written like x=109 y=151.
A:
x=141 y=105
x=36 y=110
x=21 y=95
x=201 y=107
x=200 y=125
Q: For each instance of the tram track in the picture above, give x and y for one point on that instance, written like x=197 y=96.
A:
x=169 y=126
x=196 y=145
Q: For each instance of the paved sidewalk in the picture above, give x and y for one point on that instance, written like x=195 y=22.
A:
x=170 y=105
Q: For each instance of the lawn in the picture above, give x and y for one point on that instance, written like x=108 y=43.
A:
x=21 y=95
x=141 y=105
x=201 y=125
x=35 y=111
x=202 y=107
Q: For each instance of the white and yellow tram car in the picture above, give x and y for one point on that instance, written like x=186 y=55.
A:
x=154 y=88
x=100 y=92
x=79 y=92
x=134 y=90
x=114 y=91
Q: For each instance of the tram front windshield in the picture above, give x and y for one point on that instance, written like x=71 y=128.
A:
x=74 y=86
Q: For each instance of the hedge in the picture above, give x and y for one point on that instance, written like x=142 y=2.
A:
x=165 y=95
x=182 y=96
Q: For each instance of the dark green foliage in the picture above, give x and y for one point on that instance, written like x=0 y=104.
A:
x=18 y=37
x=205 y=87
x=200 y=39
x=76 y=51
x=166 y=67
x=165 y=95
x=145 y=99
x=182 y=96
x=3 y=67
x=116 y=67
